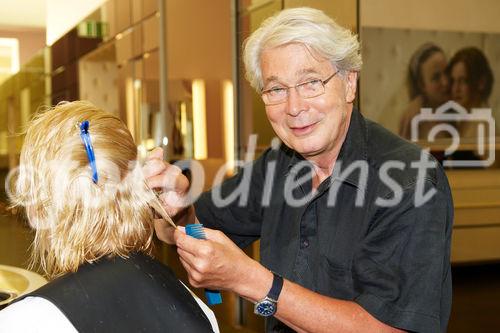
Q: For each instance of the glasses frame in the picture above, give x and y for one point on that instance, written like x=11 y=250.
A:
x=287 y=88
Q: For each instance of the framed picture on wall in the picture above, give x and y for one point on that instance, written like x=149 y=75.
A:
x=433 y=82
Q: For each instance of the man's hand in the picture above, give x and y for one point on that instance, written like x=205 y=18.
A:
x=173 y=187
x=168 y=179
x=217 y=263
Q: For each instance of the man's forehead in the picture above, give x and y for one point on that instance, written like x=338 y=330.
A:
x=292 y=60
x=299 y=73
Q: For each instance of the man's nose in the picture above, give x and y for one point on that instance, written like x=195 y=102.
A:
x=295 y=103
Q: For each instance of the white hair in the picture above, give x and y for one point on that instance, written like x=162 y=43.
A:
x=307 y=26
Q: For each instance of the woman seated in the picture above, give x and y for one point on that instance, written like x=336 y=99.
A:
x=86 y=198
x=471 y=84
x=427 y=87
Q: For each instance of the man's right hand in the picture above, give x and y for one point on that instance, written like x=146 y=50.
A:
x=173 y=187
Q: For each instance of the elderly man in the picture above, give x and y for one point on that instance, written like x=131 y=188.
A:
x=354 y=222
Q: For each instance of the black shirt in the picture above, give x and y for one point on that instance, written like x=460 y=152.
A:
x=393 y=260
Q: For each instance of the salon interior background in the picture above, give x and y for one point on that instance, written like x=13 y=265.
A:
x=171 y=70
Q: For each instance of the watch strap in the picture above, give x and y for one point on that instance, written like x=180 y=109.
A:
x=275 y=291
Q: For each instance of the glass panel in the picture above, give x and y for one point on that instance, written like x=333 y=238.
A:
x=180 y=107
x=9 y=57
x=251 y=108
x=98 y=76
x=199 y=69
x=21 y=95
x=199 y=61
x=151 y=134
x=123 y=74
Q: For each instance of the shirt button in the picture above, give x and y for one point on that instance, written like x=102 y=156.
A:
x=305 y=243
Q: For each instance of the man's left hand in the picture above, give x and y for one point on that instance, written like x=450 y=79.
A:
x=217 y=263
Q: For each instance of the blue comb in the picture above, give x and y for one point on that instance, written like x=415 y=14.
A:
x=196 y=230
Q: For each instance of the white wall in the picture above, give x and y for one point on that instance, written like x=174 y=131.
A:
x=62 y=15
x=22 y=13
x=449 y=15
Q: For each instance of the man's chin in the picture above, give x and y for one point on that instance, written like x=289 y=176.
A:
x=307 y=151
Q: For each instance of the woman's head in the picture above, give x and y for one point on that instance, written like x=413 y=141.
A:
x=471 y=77
x=427 y=75
x=75 y=219
x=307 y=26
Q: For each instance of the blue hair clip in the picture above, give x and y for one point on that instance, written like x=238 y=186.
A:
x=84 y=134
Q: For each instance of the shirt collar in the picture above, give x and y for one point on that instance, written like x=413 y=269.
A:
x=354 y=148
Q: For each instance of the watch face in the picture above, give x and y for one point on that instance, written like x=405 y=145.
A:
x=265 y=308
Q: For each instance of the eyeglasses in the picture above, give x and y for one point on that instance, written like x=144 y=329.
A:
x=309 y=89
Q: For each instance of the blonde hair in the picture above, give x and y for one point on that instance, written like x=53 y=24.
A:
x=76 y=220
x=307 y=26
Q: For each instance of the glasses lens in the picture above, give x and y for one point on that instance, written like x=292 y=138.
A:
x=311 y=89
x=308 y=89
x=274 y=96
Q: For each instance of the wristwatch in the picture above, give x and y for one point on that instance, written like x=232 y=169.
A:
x=269 y=305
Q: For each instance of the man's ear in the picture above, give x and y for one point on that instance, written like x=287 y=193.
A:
x=351 y=86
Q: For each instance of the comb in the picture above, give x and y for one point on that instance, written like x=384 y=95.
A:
x=196 y=231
